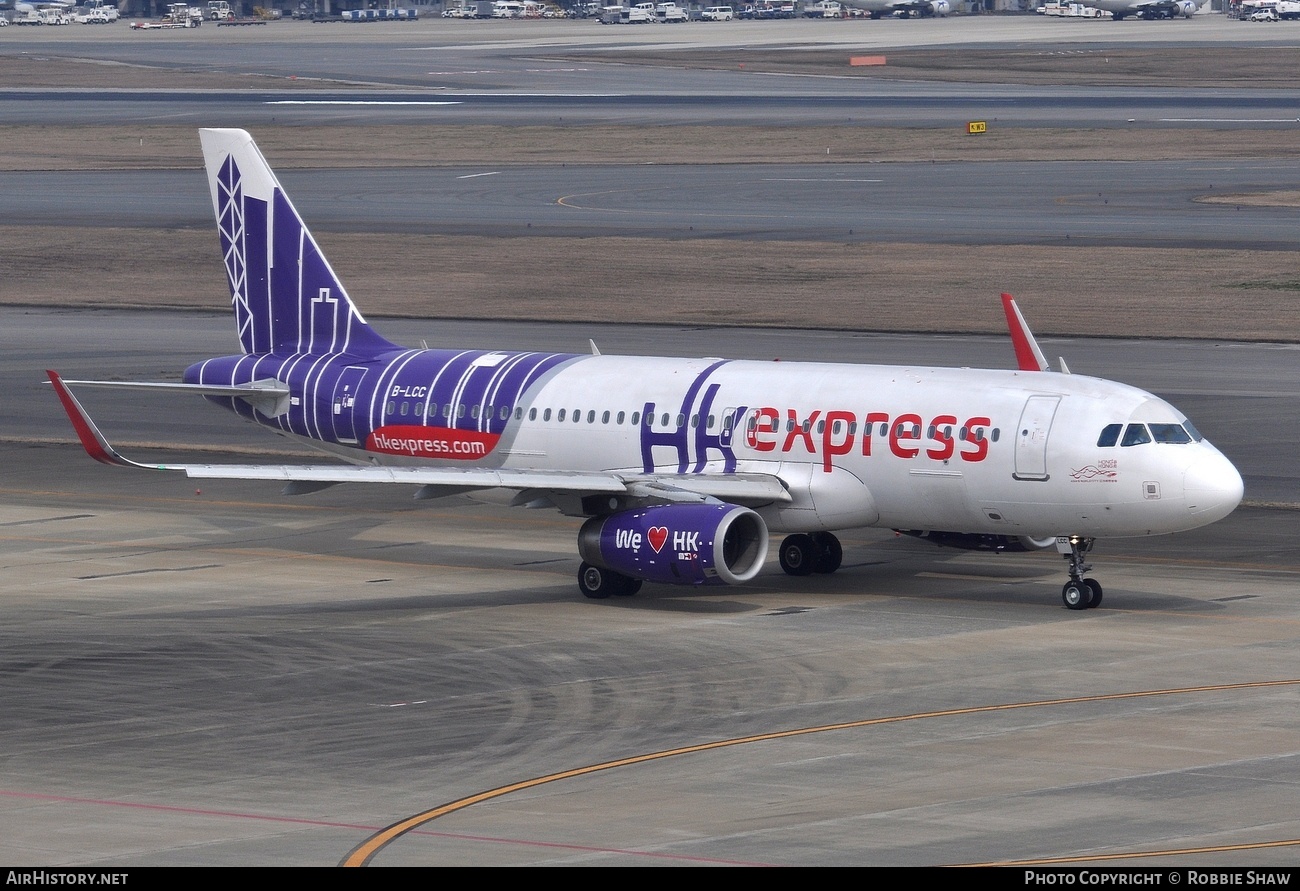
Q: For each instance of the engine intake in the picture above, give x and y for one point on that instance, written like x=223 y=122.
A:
x=680 y=544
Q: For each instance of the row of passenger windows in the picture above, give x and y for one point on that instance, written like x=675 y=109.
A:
x=1139 y=434
x=418 y=411
x=667 y=419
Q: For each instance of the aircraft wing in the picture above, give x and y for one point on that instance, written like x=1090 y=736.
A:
x=534 y=487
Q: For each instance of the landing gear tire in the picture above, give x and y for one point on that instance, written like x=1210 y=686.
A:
x=595 y=582
x=1076 y=595
x=830 y=554
x=798 y=554
x=1079 y=592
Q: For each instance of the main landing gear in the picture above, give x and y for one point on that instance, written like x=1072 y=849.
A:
x=806 y=553
x=597 y=582
x=1079 y=593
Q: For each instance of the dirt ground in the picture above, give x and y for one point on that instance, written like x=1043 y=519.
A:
x=1221 y=294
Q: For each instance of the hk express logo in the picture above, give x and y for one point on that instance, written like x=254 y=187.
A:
x=822 y=434
x=685 y=440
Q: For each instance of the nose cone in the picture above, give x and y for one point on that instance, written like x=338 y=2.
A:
x=1212 y=488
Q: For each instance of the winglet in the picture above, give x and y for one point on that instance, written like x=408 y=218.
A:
x=91 y=439
x=1028 y=356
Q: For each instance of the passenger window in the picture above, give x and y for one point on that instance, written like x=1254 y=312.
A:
x=577 y=415
x=591 y=416
x=1169 y=433
x=560 y=415
x=1136 y=434
x=619 y=419
x=604 y=419
x=473 y=412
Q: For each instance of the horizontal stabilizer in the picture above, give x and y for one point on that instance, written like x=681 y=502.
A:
x=270 y=397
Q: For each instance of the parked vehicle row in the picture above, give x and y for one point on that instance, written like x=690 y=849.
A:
x=91 y=12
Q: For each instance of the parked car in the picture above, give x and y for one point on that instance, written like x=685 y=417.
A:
x=717 y=14
x=1264 y=15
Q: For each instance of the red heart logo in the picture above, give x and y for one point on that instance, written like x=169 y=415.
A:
x=657 y=536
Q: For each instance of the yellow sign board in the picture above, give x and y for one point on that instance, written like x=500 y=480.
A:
x=976 y=127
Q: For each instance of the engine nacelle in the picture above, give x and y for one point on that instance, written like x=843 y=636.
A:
x=680 y=544
x=1187 y=8
x=974 y=541
x=940 y=7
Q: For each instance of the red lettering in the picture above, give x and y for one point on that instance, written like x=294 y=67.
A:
x=800 y=431
x=831 y=448
x=868 y=427
x=944 y=437
x=976 y=439
x=838 y=431
x=905 y=428
x=765 y=421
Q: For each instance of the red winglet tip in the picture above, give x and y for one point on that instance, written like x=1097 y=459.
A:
x=91 y=439
x=1021 y=340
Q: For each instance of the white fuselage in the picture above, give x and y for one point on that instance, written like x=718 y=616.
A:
x=980 y=451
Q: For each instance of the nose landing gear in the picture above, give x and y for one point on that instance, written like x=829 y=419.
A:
x=1078 y=593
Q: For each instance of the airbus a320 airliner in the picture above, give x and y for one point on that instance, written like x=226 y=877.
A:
x=682 y=467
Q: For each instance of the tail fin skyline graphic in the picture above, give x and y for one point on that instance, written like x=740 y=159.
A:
x=286 y=297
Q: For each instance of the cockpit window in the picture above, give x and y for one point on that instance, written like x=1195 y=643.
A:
x=1136 y=434
x=1192 y=431
x=1109 y=435
x=1169 y=433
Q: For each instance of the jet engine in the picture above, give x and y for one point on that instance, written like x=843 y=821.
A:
x=940 y=7
x=683 y=544
x=1187 y=8
x=973 y=541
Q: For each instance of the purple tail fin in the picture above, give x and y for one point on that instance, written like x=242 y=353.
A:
x=286 y=297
